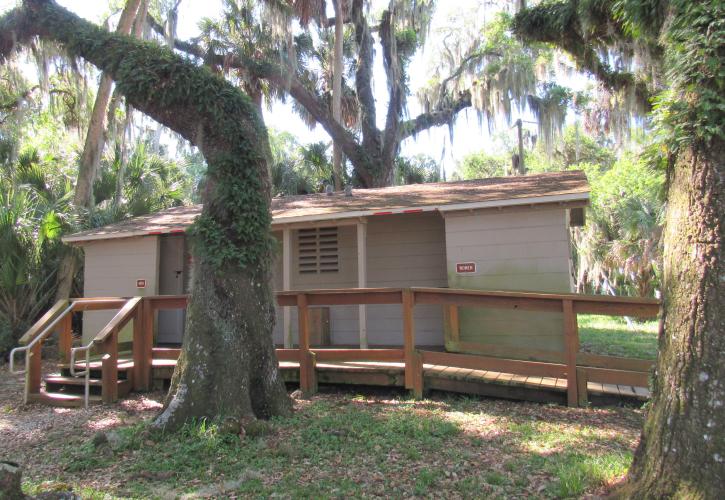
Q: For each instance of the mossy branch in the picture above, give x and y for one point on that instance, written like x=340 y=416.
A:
x=559 y=23
x=200 y=106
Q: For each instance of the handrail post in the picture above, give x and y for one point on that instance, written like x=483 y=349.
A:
x=142 y=347
x=65 y=337
x=408 y=335
x=571 y=343
x=109 y=369
x=417 y=374
x=33 y=373
x=307 y=360
x=452 y=325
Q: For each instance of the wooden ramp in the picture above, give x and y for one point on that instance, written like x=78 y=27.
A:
x=462 y=380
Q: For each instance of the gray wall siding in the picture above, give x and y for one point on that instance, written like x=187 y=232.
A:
x=516 y=250
x=402 y=250
x=111 y=270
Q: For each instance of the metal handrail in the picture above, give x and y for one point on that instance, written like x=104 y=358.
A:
x=45 y=333
x=85 y=373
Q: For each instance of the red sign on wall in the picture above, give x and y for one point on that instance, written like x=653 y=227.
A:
x=140 y=283
x=465 y=267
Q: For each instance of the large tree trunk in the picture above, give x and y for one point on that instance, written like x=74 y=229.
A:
x=227 y=366
x=682 y=451
x=91 y=156
x=337 y=91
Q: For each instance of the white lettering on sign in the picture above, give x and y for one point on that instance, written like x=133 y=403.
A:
x=140 y=283
x=465 y=267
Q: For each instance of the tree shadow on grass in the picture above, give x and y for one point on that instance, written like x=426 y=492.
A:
x=360 y=444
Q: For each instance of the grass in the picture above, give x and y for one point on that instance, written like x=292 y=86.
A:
x=612 y=336
x=338 y=446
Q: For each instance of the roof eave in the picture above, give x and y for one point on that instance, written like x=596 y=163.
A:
x=282 y=221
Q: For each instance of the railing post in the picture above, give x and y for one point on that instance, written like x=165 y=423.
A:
x=33 y=375
x=452 y=325
x=417 y=374
x=142 y=347
x=65 y=337
x=582 y=390
x=408 y=335
x=307 y=359
x=109 y=369
x=571 y=344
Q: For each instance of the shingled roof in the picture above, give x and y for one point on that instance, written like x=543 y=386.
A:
x=443 y=196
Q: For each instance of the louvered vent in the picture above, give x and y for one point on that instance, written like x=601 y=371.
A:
x=318 y=250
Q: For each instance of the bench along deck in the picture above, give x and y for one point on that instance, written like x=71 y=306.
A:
x=569 y=377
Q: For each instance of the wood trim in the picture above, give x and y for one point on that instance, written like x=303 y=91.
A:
x=292 y=355
x=99 y=303
x=120 y=320
x=571 y=344
x=33 y=375
x=346 y=296
x=109 y=368
x=158 y=302
x=166 y=353
x=613 y=362
x=359 y=355
x=582 y=389
x=640 y=310
x=65 y=337
x=473 y=362
x=408 y=300
x=503 y=351
x=287 y=285
x=362 y=280
x=39 y=325
x=142 y=350
x=465 y=298
x=619 y=377
x=417 y=383
x=540 y=295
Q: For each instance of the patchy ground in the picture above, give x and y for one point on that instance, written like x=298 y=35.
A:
x=338 y=444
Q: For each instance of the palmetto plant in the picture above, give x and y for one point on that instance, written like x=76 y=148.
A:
x=34 y=211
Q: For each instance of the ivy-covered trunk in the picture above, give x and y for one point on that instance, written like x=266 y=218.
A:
x=227 y=366
x=682 y=451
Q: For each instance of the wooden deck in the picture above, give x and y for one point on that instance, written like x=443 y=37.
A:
x=462 y=380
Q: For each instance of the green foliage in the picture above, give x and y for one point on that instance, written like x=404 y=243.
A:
x=34 y=211
x=151 y=183
x=619 y=249
x=417 y=169
x=692 y=108
x=482 y=165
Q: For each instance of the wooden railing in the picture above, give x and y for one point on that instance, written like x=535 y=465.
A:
x=61 y=315
x=578 y=368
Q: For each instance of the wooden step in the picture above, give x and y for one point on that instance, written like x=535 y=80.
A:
x=60 y=379
x=75 y=385
x=123 y=365
x=62 y=399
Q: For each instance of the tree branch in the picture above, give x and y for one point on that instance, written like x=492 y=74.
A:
x=363 y=80
x=395 y=76
x=435 y=118
x=289 y=82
